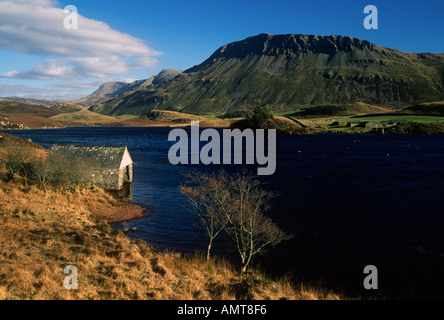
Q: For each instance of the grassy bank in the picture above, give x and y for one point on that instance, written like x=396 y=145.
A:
x=43 y=232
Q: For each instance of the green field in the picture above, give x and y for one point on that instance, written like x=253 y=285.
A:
x=212 y=116
x=285 y=114
x=381 y=118
x=387 y=117
x=126 y=117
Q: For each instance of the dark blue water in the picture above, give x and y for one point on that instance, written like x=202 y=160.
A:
x=350 y=201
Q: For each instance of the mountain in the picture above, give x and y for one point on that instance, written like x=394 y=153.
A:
x=110 y=90
x=165 y=76
x=290 y=72
x=32 y=102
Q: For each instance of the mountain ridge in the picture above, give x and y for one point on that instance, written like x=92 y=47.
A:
x=105 y=92
x=289 y=72
x=111 y=89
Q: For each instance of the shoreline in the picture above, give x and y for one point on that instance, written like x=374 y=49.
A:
x=169 y=125
x=42 y=234
x=124 y=212
x=308 y=133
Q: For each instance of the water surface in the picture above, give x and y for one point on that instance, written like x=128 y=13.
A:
x=350 y=201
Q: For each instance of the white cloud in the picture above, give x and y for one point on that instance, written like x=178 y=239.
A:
x=93 y=50
x=82 y=67
x=73 y=90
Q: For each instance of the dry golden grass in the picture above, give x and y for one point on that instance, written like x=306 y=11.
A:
x=42 y=233
x=9 y=142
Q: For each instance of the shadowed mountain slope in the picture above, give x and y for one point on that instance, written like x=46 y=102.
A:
x=289 y=72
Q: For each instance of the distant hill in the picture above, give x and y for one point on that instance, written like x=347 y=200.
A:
x=66 y=108
x=32 y=102
x=351 y=109
x=83 y=117
x=16 y=115
x=110 y=90
x=104 y=93
x=185 y=119
x=289 y=72
x=429 y=108
x=22 y=108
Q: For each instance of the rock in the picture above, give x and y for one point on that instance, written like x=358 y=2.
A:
x=134 y=229
x=274 y=286
x=126 y=230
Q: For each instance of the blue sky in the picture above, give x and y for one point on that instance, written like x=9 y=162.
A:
x=126 y=40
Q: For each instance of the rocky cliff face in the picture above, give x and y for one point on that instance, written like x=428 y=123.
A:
x=110 y=90
x=289 y=72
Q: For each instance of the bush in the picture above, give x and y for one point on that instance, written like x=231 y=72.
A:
x=260 y=115
x=412 y=127
x=19 y=161
x=281 y=126
x=260 y=118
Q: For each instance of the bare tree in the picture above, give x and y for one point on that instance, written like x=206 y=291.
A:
x=70 y=174
x=249 y=228
x=209 y=200
x=18 y=161
x=12 y=165
x=77 y=176
x=44 y=172
x=237 y=205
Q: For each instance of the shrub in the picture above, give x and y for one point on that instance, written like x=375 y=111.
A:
x=260 y=115
x=412 y=127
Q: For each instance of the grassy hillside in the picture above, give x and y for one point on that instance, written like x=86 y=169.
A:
x=85 y=117
x=353 y=109
x=154 y=118
x=30 y=110
x=430 y=108
x=16 y=115
x=66 y=108
x=185 y=119
x=8 y=141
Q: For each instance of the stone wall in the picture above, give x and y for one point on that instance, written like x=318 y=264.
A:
x=107 y=178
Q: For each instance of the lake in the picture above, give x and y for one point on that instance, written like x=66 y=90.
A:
x=349 y=200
